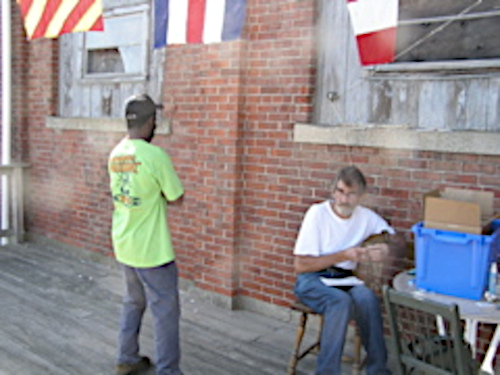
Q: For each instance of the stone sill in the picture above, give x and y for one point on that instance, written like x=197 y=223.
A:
x=394 y=137
x=438 y=67
x=104 y=124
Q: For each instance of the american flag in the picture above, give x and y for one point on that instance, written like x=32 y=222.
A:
x=51 y=18
x=374 y=23
x=198 y=21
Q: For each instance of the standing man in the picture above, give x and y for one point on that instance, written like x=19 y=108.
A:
x=142 y=180
x=328 y=245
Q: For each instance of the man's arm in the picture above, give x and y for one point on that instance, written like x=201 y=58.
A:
x=378 y=247
x=175 y=202
x=307 y=263
x=170 y=184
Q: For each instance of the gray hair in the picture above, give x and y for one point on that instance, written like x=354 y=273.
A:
x=351 y=176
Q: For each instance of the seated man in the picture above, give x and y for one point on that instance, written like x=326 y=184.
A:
x=328 y=245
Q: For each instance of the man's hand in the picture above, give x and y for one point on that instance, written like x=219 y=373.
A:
x=375 y=253
x=355 y=254
x=307 y=263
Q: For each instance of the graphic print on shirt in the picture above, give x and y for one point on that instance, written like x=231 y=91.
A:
x=124 y=166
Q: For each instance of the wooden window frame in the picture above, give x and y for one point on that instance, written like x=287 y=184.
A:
x=448 y=106
x=144 y=41
x=101 y=96
x=445 y=21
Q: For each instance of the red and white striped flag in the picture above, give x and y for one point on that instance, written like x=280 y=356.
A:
x=374 y=23
x=51 y=18
x=198 y=21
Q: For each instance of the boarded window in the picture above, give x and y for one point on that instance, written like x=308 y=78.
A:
x=433 y=30
x=448 y=81
x=100 y=70
x=114 y=52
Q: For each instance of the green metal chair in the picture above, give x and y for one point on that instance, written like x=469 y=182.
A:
x=427 y=337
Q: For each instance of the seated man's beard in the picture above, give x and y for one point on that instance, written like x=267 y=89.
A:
x=344 y=210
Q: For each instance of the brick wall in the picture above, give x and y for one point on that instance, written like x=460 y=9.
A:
x=233 y=107
x=202 y=94
x=279 y=75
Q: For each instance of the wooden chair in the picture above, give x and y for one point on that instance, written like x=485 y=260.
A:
x=424 y=344
x=373 y=276
x=298 y=354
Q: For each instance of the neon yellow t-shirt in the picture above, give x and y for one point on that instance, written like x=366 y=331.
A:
x=141 y=177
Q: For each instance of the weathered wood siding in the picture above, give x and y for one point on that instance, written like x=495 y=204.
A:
x=103 y=97
x=435 y=99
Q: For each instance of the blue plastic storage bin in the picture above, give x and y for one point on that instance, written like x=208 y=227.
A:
x=455 y=263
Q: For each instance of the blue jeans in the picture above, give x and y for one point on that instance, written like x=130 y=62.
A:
x=338 y=307
x=158 y=288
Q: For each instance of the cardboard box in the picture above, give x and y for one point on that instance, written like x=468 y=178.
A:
x=458 y=210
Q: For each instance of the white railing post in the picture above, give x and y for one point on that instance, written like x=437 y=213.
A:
x=6 y=108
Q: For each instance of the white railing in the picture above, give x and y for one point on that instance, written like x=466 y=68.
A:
x=13 y=230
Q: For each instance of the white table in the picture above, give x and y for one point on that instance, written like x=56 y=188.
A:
x=473 y=312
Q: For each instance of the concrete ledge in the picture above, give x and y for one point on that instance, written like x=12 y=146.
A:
x=264 y=308
x=394 y=137
x=104 y=124
x=238 y=302
x=213 y=298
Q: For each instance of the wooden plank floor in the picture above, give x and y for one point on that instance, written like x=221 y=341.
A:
x=59 y=314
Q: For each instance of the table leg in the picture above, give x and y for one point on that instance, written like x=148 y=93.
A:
x=487 y=365
x=440 y=325
x=470 y=334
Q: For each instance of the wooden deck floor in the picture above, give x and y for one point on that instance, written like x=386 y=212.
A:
x=59 y=315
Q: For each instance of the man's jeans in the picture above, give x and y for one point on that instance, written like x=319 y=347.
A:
x=158 y=287
x=338 y=307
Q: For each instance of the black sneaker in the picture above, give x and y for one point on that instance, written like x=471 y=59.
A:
x=133 y=369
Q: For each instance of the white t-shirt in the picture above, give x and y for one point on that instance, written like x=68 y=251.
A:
x=324 y=232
